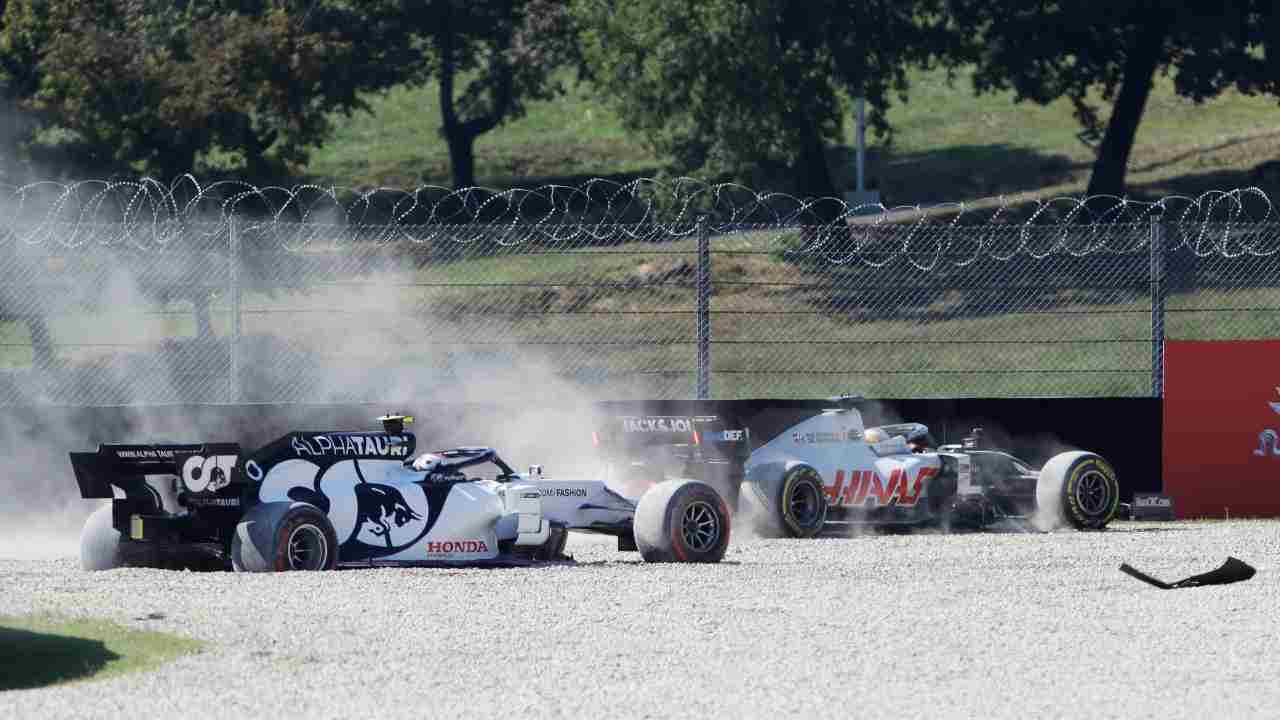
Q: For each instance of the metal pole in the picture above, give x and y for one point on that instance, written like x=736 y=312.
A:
x=861 y=142
x=234 y=281
x=1157 y=308
x=704 y=310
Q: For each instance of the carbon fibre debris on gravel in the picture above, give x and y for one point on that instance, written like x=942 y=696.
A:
x=976 y=625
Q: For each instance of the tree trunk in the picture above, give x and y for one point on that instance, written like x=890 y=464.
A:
x=460 y=133
x=1108 y=177
x=462 y=158
x=814 y=177
x=41 y=342
x=204 y=323
x=462 y=164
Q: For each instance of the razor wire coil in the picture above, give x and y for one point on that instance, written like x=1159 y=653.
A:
x=138 y=291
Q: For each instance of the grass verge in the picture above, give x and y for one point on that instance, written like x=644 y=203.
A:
x=41 y=650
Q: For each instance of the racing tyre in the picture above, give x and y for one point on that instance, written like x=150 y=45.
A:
x=800 y=505
x=281 y=536
x=100 y=542
x=682 y=521
x=553 y=548
x=1079 y=489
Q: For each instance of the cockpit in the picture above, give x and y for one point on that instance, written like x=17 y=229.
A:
x=448 y=465
x=915 y=436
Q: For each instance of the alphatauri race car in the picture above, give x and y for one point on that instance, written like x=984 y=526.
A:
x=830 y=469
x=319 y=500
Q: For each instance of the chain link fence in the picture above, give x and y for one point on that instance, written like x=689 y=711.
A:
x=315 y=308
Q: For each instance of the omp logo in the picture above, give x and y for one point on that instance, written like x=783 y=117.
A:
x=457 y=546
x=657 y=424
x=201 y=474
x=864 y=484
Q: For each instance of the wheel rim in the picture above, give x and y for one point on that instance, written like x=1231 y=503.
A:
x=803 y=504
x=700 y=526
x=1093 y=493
x=308 y=548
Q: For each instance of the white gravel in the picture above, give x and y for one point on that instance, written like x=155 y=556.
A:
x=981 y=625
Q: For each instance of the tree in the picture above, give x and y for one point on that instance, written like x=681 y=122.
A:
x=742 y=87
x=1052 y=49
x=148 y=85
x=503 y=54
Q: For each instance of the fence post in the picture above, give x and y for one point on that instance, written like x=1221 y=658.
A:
x=1157 y=307
x=234 y=282
x=704 y=309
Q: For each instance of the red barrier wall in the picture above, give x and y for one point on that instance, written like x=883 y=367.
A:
x=1221 y=424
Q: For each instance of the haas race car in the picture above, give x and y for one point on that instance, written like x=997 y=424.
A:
x=829 y=471
x=319 y=500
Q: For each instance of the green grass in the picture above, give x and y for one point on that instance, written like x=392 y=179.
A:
x=398 y=144
x=40 y=650
x=949 y=145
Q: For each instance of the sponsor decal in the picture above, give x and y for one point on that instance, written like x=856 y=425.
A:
x=1151 y=506
x=657 y=424
x=731 y=435
x=456 y=546
x=353 y=445
x=821 y=437
x=562 y=492
x=144 y=454
x=212 y=502
x=867 y=484
x=201 y=474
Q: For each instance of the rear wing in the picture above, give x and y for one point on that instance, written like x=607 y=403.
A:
x=115 y=464
x=705 y=437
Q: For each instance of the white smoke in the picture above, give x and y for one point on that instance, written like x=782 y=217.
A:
x=520 y=402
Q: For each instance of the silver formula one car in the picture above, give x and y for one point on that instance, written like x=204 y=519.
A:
x=319 y=500
x=830 y=469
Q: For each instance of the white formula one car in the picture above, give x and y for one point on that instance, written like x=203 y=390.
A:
x=830 y=469
x=319 y=500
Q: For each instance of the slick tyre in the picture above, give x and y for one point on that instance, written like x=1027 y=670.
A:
x=682 y=521
x=1077 y=489
x=801 y=504
x=283 y=536
x=100 y=542
x=553 y=548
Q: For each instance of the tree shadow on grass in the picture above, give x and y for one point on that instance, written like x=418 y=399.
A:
x=34 y=659
x=954 y=173
x=1265 y=177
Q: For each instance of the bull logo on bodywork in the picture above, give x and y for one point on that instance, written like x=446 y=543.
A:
x=378 y=504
